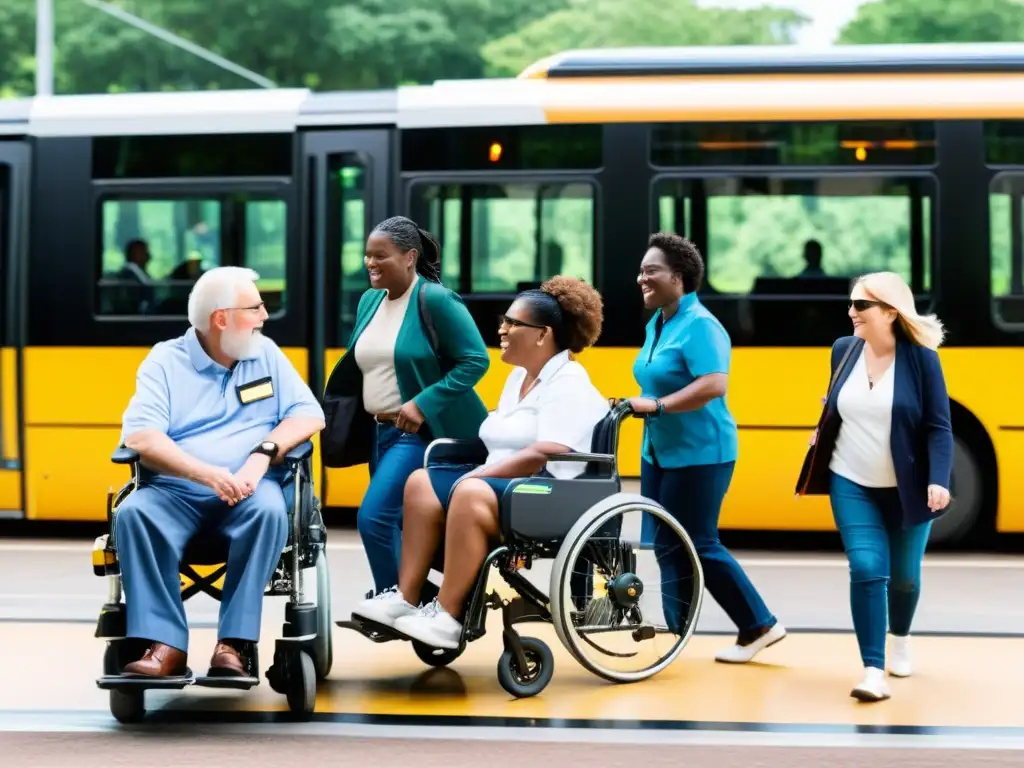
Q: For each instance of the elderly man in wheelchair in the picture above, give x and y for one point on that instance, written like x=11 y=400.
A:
x=217 y=434
x=527 y=489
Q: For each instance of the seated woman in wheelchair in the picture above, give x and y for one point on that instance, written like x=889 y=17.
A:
x=548 y=406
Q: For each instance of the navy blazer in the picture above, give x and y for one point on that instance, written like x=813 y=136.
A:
x=922 y=438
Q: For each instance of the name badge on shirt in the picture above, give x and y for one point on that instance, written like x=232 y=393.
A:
x=255 y=391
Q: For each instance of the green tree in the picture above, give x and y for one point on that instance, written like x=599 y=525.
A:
x=614 y=23
x=935 y=21
x=17 y=42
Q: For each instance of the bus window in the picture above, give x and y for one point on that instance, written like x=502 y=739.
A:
x=498 y=238
x=348 y=181
x=772 y=235
x=266 y=249
x=153 y=250
x=1006 y=208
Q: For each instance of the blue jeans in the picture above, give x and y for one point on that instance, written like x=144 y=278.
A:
x=694 y=495
x=885 y=563
x=394 y=457
x=154 y=524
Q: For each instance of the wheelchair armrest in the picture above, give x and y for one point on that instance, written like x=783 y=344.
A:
x=124 y=455
x=601 y=458
x=299 y=453
x=450 y=451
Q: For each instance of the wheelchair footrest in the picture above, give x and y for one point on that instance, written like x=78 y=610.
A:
x=123 y=682
x=228 y=681
x=371 y=630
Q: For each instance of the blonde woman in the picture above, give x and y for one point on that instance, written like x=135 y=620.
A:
x=883 y=452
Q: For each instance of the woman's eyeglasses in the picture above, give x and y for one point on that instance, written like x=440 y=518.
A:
x=862 y=305
x=504 y=320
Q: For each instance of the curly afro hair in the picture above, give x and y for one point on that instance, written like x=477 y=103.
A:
x=682 y=257
x=582 y=311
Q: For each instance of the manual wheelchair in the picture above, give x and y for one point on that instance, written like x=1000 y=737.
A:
x=595 y=586
x=303 y=654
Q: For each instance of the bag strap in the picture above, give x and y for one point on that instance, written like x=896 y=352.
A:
x=428 y=321
x=839 y=368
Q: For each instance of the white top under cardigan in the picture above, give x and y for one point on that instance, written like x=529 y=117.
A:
x=563 y=407
x=862 y=452
x=375 y=353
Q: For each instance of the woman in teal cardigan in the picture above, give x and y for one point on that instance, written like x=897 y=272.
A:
x=409 y=371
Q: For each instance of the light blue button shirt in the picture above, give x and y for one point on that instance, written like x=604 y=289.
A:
x=690 y=344
x=198 y=403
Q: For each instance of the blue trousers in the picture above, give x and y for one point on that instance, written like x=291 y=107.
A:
x=885 y=563
x=157 y=520
x=395 y=456
x=694 y=495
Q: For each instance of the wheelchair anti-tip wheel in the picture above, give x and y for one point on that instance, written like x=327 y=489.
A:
x=622 y=606
x=534 y=678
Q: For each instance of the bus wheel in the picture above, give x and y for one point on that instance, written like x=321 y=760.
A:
x=965 y=509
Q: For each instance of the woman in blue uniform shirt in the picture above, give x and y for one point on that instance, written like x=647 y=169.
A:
x=690 y=440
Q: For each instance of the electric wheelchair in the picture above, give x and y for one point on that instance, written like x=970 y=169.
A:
x=303 y=654
x=595 y=585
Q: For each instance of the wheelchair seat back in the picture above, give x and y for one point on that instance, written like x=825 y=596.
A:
x=541 y=510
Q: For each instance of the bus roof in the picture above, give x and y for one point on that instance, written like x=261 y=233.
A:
x=780 y=59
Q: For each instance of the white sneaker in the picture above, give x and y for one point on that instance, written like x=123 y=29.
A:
x=873 y=687
x=432 y=625
x=899 y=656
x=741 y=654
x=385 y=608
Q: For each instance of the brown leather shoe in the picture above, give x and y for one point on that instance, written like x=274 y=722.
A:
x=159 y=660
x=227 y=661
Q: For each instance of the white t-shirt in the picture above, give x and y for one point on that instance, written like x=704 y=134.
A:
x=562 y=407
x=375 y=353
x=862 y=452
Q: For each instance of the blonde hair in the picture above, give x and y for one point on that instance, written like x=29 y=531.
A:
x=891 y=289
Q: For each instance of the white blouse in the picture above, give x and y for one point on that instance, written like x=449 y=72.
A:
x=375 y=353
x=862 y=452
x=562 y=407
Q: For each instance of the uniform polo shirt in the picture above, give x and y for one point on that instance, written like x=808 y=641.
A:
x=215 y=414
x=563 y=407
x=690 y=344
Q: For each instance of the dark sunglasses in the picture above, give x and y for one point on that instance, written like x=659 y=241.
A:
x=504 y=320
x=862 y=305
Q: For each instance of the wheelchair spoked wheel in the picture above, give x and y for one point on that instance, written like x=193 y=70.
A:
x=529 y=681
x=323 y=649
x=623 y=609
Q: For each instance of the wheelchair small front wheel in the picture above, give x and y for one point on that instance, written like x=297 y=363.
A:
x=540 y=666
x=435 y=657
x=301 y=684
x=127 y=706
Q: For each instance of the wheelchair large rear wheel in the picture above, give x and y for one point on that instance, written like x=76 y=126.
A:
x=323 y=648
x=622 y=606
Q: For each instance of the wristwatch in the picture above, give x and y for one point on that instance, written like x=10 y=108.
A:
x=267 y=448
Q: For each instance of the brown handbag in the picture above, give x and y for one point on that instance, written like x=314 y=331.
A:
x=813 y=481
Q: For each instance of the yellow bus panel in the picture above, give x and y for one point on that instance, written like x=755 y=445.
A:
x=73 y=426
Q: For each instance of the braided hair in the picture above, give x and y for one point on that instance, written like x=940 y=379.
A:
x=405 y=234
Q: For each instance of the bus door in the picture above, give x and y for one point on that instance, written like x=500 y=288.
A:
x=14 y=189
x=348 y=190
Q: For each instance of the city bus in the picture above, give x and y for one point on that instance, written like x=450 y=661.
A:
x=792 y=171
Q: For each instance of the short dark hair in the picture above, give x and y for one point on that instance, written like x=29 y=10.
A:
x=572 y=307
x=682 y=257
x=407 y=235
